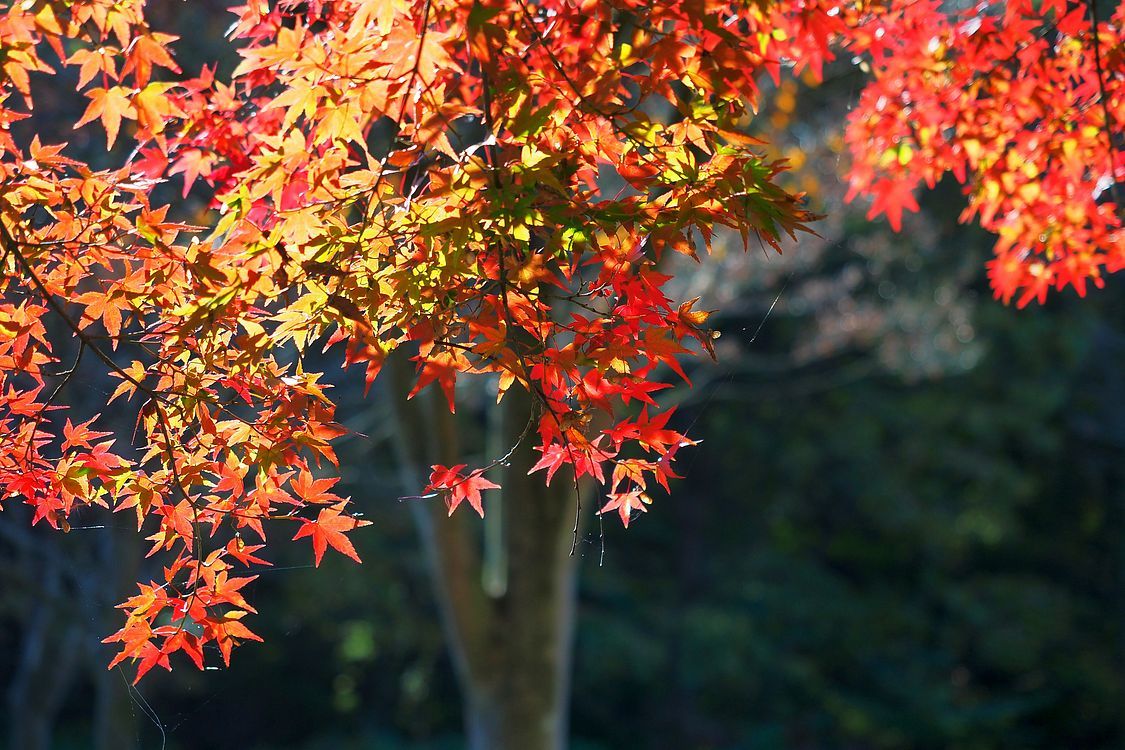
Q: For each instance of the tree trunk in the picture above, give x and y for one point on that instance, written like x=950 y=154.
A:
x=511 y=644
x=520 y=697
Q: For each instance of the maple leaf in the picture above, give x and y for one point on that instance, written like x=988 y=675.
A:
x=154 y=107
x=244 y=553
x=653 y=434
x=151 y=656
x=459 y=488
x=79 y=435
x=659 y=347
x=146 y=51
x=890 y=198
x=554 y=457
x=185 y=641
x=110 y=105
x=99 y=306
x=315 y=491
x=92 y=62
x=441 y=367
x=193 y=163
x=227 y=590
x=227 y=630
x=625 y=503
x=328 y=531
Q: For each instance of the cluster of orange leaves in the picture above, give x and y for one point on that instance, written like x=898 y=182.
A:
x=433 y=176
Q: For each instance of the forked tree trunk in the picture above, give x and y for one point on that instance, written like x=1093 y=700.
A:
x=511 y=644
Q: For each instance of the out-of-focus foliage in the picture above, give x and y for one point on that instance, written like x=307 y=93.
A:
x=906 y=529
x=936 y=564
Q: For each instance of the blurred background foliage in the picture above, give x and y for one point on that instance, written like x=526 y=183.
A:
x=904 y=528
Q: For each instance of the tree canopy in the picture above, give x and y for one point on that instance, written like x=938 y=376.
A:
x=487 y=185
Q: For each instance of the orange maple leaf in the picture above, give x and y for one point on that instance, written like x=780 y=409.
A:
x=110 y=105
x=328 y=530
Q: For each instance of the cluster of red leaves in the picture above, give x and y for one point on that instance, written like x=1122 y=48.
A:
x=433 y=176
x=1022 y=102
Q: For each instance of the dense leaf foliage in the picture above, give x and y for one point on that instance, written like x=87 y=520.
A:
x=433 y=176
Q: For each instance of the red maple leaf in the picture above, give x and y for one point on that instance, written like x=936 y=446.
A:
x=890 y=197
x=442 y=367
x=625 y=503
x=459 y=488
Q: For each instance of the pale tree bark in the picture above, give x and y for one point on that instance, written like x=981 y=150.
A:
x=510 y=640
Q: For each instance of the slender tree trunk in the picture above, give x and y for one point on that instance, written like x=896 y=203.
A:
x=520 y=698
x=511 y=644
